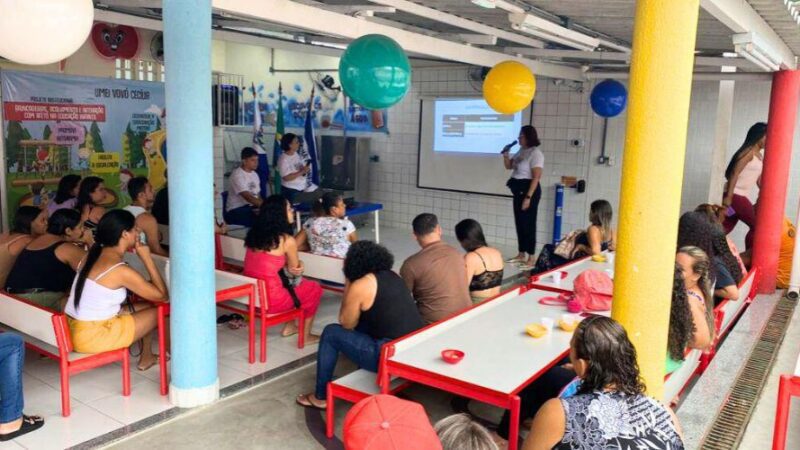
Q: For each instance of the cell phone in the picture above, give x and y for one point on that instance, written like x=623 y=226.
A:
x=142 y=238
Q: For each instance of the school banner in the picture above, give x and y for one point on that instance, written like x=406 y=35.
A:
x=58 y=124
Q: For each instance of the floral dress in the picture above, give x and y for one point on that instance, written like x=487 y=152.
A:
x=612 y=420
x=329 y=236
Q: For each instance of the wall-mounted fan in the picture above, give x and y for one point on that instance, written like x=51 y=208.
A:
x=157 y=47
x=476 y=75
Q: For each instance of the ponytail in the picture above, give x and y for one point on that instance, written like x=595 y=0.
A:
x=91 y=259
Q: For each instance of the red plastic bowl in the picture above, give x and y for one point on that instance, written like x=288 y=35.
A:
x=452 y=356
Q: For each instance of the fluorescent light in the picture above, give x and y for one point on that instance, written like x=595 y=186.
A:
x=485 y=3
x=552 y=32
x=756 y=50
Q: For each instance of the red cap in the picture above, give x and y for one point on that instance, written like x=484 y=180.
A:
x=384 y=422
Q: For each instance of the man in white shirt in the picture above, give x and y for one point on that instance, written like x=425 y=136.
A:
x=295 y=185
x=143 y=197
x=244 y=191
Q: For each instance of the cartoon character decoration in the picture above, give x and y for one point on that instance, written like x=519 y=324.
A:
x=156 y=164
x=115 y=41
x=125 y=176
x=83 y=158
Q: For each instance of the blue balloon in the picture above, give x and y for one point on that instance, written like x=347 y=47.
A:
x=608 y=98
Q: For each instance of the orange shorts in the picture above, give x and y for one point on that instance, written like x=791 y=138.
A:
x=98 y=336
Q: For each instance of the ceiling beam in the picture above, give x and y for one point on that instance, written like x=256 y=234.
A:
x=474 y=39
x=459 y=22
x=740 y=17
x=697 y=76
x=713 y=61
x=319 y=20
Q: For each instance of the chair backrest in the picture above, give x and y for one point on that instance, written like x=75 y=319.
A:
x=325 y=268
x=28 y=318
x=731 y=308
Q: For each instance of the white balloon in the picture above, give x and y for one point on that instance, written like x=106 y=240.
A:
x=43 y=31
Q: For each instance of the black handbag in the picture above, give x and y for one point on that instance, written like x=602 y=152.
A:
x=289 y=287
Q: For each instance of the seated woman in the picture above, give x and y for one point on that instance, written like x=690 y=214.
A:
x=696 y=270
x=44 y=270
x=96 y=319
x=66 y=194
x=29 y=223
x=484 y=264
x=91 y=192
x=328 y=234
x=599 y=237
x=271 y=249
x=715 y=215
x=377 y=307
x=554 y=382
x=610 y=409
x=694 y=229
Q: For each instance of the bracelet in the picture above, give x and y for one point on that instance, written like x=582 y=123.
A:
x=527 y=197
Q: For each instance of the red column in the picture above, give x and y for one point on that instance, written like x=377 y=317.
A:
x=775 y=177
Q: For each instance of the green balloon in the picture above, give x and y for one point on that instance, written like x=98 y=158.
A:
x=375 y=71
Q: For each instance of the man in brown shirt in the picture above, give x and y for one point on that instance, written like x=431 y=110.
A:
x=436 y=274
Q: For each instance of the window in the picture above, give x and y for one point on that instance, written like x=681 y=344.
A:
x=142 y=70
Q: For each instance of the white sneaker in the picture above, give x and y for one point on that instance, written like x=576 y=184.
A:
x=515 y=260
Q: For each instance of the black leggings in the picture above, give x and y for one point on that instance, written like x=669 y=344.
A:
x=525 y=221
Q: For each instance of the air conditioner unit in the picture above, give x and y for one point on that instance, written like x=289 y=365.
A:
x=756 y=50
x=553 y=32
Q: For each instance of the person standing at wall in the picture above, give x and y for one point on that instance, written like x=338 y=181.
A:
x=743 y=174
x=526 y=171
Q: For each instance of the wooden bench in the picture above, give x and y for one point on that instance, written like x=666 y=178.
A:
x=788 y=387
x=46 y=331
x=362 y=383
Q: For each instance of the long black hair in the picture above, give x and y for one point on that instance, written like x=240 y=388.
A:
x=329 y=201
x=270 y=225
x=681 y=324
x=109 y=232
x=611 y=356
x=88 y=185
x=24 y=218
x=754 y=134
x=600 y=215
x=66 y=185
x=694 y=230
x=62 y=219
x=470 y=234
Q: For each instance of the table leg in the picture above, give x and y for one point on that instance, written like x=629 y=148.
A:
x=513 y=427
x=162 y=350
x=377 y=227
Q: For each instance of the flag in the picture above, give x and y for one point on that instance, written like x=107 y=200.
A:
x=258 y=144
x=276 y=152
x=311 y=143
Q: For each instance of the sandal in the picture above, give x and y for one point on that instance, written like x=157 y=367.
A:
x=235 y=324
x=147 y=367
x=29 y=423
x=304 y=400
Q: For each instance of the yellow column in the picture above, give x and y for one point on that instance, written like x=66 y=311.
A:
x=652 y=173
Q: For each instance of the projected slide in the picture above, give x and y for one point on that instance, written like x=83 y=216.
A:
x=471 y=126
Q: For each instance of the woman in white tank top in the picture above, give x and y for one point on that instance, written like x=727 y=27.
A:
x=743 y=174
x=97 y=321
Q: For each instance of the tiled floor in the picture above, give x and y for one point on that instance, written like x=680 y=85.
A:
x=98 y=407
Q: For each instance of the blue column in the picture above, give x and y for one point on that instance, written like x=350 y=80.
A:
x=187 y=46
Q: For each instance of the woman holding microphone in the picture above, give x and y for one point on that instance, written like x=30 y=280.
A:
x=526 y=172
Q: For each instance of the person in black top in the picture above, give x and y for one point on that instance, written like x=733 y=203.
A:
x=44 y=271
x=377 y=308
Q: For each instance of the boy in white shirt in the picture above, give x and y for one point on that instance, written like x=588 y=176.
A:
x=295 y=185
x=244 y=191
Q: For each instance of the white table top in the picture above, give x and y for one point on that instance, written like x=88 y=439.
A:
x=572 y=270
x=499 y=354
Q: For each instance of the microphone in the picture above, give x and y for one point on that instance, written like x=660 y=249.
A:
x=507 y=148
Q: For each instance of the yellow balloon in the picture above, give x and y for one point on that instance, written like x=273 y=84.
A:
x=509 y=87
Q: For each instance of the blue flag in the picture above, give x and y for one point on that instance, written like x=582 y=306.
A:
x=258 y=144
x=276 y=151
x=311 y=143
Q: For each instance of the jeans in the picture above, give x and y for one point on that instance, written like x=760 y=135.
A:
x=242 y=215
x=12 y=357
x=361 y=348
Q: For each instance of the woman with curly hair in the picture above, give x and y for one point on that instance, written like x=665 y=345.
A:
x=682 y=329
x=377 y=307
x=610 y=409
x=714 y=214
x=695 y=267
x=271 y=252
x=694 y=230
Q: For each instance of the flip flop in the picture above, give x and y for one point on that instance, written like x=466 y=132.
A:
x=29 y=423
x=304 y=401
x=224 y=318
x=146 y=368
